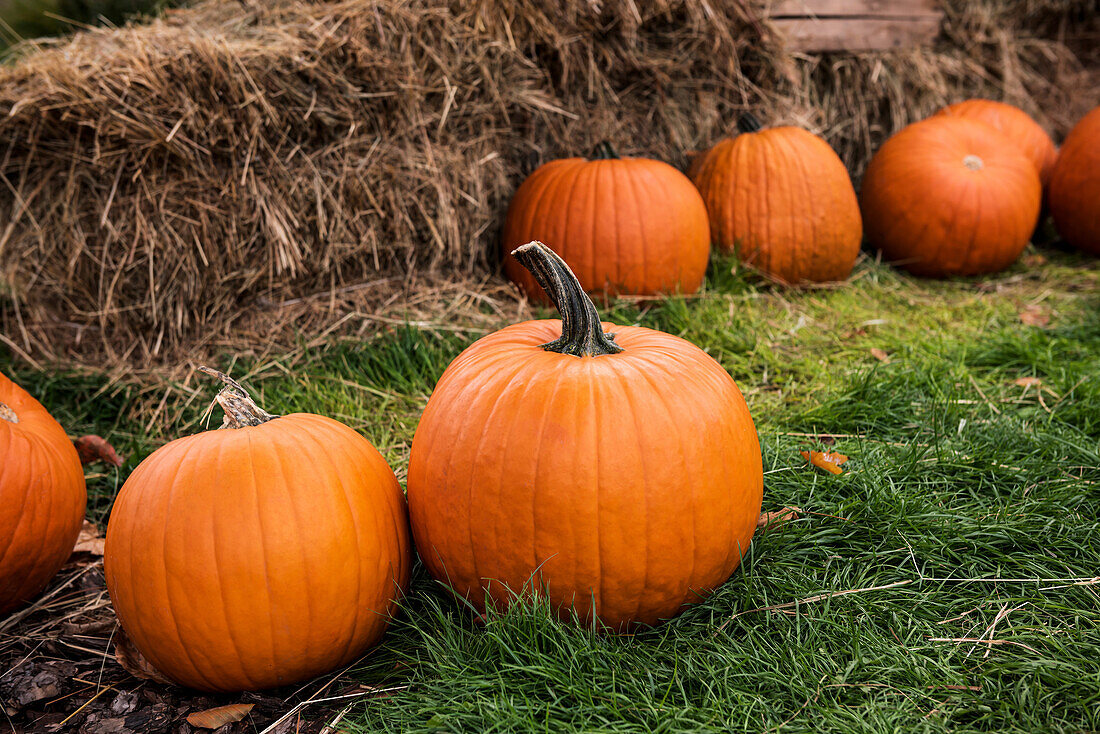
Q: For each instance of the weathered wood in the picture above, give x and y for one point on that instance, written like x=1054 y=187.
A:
x=856 y=34
x=856 y=8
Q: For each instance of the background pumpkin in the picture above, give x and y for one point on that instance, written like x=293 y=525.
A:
x=782 y=200
x=621 y=473
x=624 y=225
x=257 y=556
x=42 y=496
x=1075 y=185
x=950 y=196
x=1016 y=125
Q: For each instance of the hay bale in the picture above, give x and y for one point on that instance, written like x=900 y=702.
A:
x=172 y=185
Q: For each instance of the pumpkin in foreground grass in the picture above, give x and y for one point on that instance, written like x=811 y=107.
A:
x=261 y=554
x=1075 y=186
x=1016 y=125
x=625 y=225
x=950 y=196
x=782 y=200
x=618 y=473
x=42 y=496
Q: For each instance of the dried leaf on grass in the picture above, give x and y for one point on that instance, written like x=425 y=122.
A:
x=830 y=461
x=133 y=662
x=880 y=355
x=90 y=540
x=1028 y=382
x=1034 y=260
x=1035 y=316
x=220 y=716
x=777 y=517
x=95 y=448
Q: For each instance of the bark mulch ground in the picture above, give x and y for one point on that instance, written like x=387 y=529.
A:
x=60 y=671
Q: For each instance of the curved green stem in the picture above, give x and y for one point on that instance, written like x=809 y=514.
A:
x=8 y=414
x=748 y=123
x=605 y=152
x=240 y=409
x=582 y=334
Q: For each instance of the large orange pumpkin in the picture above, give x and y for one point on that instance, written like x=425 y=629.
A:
x=950 y=196
x=1075 y=186
x=619 y=473
x=625 y=225
x=259 y=555
x=42 y=496
x=782 y=200
x=1014 y=124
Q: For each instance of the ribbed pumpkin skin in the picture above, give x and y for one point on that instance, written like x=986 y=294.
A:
x=627 y=484
x=42 y=497
x=1075 y=186
x=241 y=559
x=933 y=215
x=1014 y=124
x=781 y=198
x=626 y=225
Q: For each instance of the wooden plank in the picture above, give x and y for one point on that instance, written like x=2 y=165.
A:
x=858 y=8
x=856 y=34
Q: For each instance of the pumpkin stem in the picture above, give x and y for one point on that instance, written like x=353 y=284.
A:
x=748 y=123
x=605 y=152
x=240 y=410
x=8 y=414
x=582 y=334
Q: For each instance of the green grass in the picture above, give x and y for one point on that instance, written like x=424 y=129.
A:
x=24 y=19
x=968 y=493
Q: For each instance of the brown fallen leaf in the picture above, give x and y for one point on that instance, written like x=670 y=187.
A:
x=830 y=461
x=1029 y=382
x=1034 y=260
x=220 y=716
x=1034 y=316
x=880 y=355
x=133 y=662
x=93 y=448
x=90 y=540
x=777 y=517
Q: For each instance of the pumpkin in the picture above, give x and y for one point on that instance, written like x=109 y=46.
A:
x=617 y=473
x=782 y=201
x=625 y=225
x=42 y=496
x=1075 y=186
x=950 y=196
x=1014 y=124
x=261 y=554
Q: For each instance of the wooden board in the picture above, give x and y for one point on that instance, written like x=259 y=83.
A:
x=852 y=8
x=854 y=25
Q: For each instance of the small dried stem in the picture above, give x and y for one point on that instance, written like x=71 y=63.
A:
x=748 y=123
x=240 y=410
x=8 y=414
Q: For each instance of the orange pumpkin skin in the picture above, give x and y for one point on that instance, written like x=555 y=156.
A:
x=1075 y=186
x=625 y=225
x=259 y=556
x=42 y=496
x=622 y=485
x=782 y=200
x=950 y=196
x=1014 y=124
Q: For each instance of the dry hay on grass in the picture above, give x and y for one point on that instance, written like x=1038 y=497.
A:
x=177 y=188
